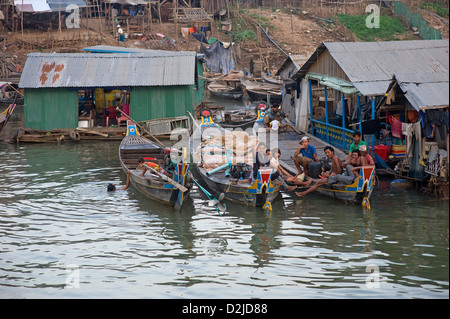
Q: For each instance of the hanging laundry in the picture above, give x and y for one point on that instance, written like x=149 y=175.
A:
x=185 y=32
x=396 y=127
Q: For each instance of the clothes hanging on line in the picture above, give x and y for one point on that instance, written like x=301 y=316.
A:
x=411 y=130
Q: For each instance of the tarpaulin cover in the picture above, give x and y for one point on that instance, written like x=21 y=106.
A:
x=200 y=37
x=218 y=58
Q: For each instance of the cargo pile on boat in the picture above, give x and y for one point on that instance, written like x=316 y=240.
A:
x=236 y=146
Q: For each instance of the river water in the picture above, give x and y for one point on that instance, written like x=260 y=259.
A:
x=64 y=236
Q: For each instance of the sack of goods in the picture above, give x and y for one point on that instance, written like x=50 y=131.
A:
x=235 y=147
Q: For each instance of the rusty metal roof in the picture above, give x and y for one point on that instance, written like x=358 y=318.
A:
x=370 y=66
x=53 y=70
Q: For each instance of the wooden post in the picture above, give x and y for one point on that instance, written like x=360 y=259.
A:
x=176 y=19
x=99 y=15
x=159 y=14
x=149 y=16
x=21 y=19
x=59 y=17
x=292 y=28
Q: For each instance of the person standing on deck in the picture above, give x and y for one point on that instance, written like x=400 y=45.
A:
x=309 y=155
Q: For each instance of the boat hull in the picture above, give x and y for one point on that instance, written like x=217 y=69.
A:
x=150 y=185
x=230 y=95
x=359 y=192
x=256 y=194
x=257 y=96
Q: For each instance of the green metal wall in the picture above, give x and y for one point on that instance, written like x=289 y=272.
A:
x=48 y=109
x=148 y=103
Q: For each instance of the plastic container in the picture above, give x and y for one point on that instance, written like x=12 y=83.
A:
x=382 y=151
x=398 y=151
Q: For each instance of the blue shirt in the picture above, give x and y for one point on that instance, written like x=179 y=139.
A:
x=309 y=152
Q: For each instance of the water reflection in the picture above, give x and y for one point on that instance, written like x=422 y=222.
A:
x=55 y=212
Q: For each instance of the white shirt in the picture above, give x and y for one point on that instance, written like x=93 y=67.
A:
x=275 y=125
x=274 y=162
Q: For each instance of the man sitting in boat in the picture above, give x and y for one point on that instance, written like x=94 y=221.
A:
x=262 y=159
x=142 y=166
x=275 y=155
x=309 y=155
x=326 y=177
x=364 y=156
x=272 y=114
x=357 y=142
x=352 y=165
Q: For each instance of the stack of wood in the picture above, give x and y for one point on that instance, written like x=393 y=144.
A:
x=7 y=66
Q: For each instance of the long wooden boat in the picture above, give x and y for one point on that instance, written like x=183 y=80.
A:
x=163 y=128
x=260 y=192
x=170 y=190
x=258 y=91
x=358 y=192
x=5 y=115
x=242 y=119
x=225 y=91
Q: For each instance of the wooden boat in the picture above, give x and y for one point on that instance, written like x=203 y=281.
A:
x=258 y=193
x=162 y=128
x=258 y=91
x=358 y=192
x=242 y=119
x=154 y=184
x=223 y=90
x=271 y=79
x=5 y=115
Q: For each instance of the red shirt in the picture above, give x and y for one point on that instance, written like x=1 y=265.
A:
x=369 y=160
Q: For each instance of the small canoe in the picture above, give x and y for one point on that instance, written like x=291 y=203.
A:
x=358 y=192
x=171 y=190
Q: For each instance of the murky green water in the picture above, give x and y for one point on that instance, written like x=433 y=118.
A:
x=64 y=236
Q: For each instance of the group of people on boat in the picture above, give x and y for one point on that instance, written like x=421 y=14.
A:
x=340 y=171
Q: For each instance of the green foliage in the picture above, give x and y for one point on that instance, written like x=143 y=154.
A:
x=435 y=7
x=389 y=27
x=242 y=36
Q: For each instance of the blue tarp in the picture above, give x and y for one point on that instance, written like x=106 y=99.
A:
x=219 y=59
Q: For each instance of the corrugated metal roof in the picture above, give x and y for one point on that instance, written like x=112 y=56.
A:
x=424 y=93
x=370 y=66
x=31 y=6
x=61 y=5
x=114 y=49
x=296 y=59
x=108 y=70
